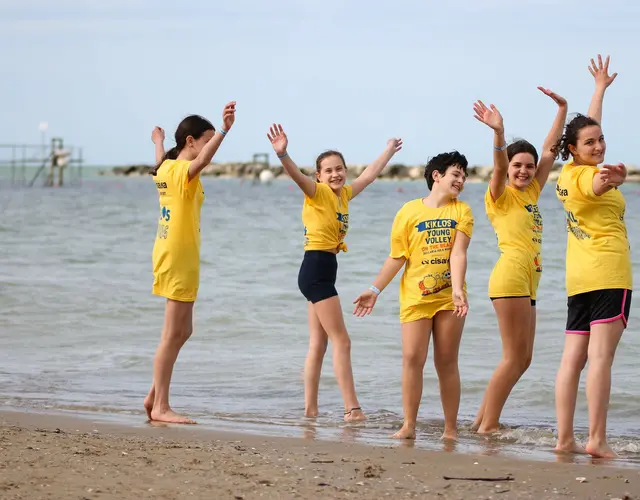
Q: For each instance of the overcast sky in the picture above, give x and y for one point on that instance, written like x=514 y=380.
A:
x=336 y=74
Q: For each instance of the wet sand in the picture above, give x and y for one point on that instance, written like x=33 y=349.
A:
x=64 y=457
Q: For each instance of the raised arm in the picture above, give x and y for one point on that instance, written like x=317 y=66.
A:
x=279 y=141
x=210 y=148
x=367 y=299
x=548 y=155
x=493 y=119
x=600 y=73
x=374 y=169
x=157 y=137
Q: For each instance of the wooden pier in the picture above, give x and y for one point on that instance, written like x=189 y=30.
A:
x=52 y=164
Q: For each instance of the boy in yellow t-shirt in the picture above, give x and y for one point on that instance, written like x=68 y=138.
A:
x=176 y=252
x=430 y=237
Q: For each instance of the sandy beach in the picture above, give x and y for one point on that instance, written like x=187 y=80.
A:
x=64 y=457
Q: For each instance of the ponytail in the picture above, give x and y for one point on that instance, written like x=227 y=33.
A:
x=172 y=154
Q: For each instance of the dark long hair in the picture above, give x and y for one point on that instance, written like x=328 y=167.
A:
x=570 y=136
x=194 y=126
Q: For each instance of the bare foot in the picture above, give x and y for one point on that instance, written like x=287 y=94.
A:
x=148 y=405
x=170 y=417
x=450 y=435
x=569 y=447
x=311 y=412
x=485 y=431
x=600 y=450
x=476 y=425
x=405 y=433
x=355 y=415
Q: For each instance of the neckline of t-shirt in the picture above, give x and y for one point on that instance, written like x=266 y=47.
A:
x=420 y=200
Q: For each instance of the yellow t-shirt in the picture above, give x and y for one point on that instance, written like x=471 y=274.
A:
x=176 y=252
x=517 y=222
x=598 y=253
x=424 y=237
x=326 y=218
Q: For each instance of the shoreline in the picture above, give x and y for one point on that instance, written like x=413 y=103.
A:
x=264 y=172
x=46 y=455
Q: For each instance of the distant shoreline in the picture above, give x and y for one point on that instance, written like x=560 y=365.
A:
x=476 y=173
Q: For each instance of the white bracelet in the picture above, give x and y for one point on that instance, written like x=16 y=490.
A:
x=374 y=290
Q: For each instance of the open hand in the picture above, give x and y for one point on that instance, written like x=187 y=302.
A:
x=364 y=303
x=157 y=136
x=394 y=145
x=489 y=116
x=460 y=303
x=229 y=115
x=559 y=100
x=601 y=72
x=278 y=139
x=613 y=174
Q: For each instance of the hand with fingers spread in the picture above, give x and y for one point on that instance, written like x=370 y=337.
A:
x=489 y=116
x=460 y=303
x=229 y=115
x=394 y=145
x=364 y=303
x=559 y=100
x=614 y=175
x=157 y=136
x=278 y=139
x=600 y=72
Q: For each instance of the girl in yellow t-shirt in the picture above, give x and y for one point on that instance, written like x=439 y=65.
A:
x=598 y=271
x=511 y=203
x=430 y=237
x=325 y=215
x=176 y=252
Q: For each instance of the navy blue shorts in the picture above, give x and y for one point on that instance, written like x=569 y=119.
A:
x=317 y=276
x=599 y=306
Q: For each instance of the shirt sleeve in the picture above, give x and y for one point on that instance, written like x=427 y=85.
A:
x=349 y=190
x=465 y=224
x=501 y=202
x=583 y=179
x=187 y=188
x=319 y=196
x=399 y=237
x=534 y=189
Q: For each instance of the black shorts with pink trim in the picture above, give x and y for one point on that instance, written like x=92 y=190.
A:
x=599 y=306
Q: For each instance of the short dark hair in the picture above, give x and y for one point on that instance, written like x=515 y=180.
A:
x=570 y=136
x=522 y=146
x=440 y=163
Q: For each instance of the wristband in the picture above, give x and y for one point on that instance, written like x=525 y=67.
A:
x=223 y=132
x=500 y=148
x=283 y=156
x=374 y=290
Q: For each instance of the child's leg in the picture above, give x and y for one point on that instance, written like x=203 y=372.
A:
x=330 y=316
x=318 y=341
x=514 y=321
x=447 y=333
x=574 y=358
x=602 y=349
x=415 y=344
x=178 y=326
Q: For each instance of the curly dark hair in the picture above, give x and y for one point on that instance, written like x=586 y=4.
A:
x=570 y=136
x=441 y=163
